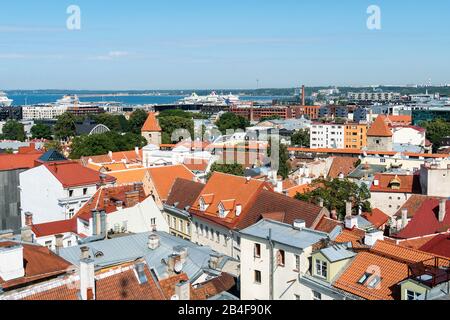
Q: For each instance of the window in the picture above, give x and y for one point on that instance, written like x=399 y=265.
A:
x=181 y=225
x=70 y=193
x=48 y=244
x=297 y=262
x=153 y=221
x=69 y=243
x=411 y=295
x=85 y=190
x=71 y=213
x=296 y=297
x=257 y=277
x=217 y=237
x=321 y=269
x=257 y=250
x=317 y=295
x=281 y=255
x=188 y=228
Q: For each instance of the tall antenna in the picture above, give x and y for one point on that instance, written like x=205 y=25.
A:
x=257 y=84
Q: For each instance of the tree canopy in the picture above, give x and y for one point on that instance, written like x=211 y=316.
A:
x=13 y=130
x=65 y=126
x=230 y=120
x=169 y=124
x=335 y=193
x=137 y=120
x=98 y=144
x=234 y=169
x=436 y=131
x=301 y=138
x=42 y=131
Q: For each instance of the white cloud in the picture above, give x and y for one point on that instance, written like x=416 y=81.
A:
x=111 y=56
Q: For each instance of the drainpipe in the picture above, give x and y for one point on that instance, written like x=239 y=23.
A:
x=271 y=267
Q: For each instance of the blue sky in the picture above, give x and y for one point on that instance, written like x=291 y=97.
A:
x=184 y=44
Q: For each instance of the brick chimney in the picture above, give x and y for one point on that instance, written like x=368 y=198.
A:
x=87 y=279
x=28 y=219
x=131 y=198
x=442 y=209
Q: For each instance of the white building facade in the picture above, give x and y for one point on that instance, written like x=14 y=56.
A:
x=327 y=135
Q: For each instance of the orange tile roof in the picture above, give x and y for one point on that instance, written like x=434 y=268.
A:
x=164 y=177
x=128 y=156
x=391 y=272
x=408 y=183
x=412 y=205
x=151 y=124
x=377 y=217
x=400 y=119
x=39 y=262
x=73 y=174
x=18 y=161
x=196 y=164
x=129 y=176
x=239 y=188
x=302 y=189
x=327 y=224
x=415 y=243
x=379 y=128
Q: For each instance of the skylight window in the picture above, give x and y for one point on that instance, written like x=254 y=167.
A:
x=370 y=280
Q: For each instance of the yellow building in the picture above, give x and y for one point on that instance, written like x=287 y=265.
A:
x=355 y=135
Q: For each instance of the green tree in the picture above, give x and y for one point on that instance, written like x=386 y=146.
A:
x=65 y=126
x=283 y=158
x=275 y=117
x=182 y=114
x=137 y=120
x=335 y=193
x=169 y=124
x=232 y=121
x=53 y=145
x=98 y=144
x=13 y=130
x=234 y=169
x=301 y=138
x=111 y=121
x=436 y=131
x=41 y=131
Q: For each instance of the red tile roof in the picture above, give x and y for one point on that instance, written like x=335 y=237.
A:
x=408 y=183
x=412 y=205
x=73 y=174
x=18 y=161
x=439 y=245
x=426 y=221
x=344 y=165
x=183 y=193
x=151 y=124
x=53 y=228
x=379 y=128
x=39 y=262
x=377 y=217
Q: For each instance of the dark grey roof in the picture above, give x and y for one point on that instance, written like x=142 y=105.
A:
x=52 y=156
x=373 y=169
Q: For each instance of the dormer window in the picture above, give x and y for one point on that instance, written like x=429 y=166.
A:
x=225 y=207
x=205 y=201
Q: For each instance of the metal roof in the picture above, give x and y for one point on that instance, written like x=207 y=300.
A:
x=285 y=234
x=132 y=247
x=336 y=253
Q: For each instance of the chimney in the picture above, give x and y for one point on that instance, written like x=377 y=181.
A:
x=238 y=210
x=279 y=187
x=442 y=209
x=26 y=234
x=59 y=242
x=321 y=203
x=348 y=209
x=372 y=237
x=351 y=222
x=173 y=264
x=11 y=262
x=153 y=241
x=87 y=279
x=214 y=260
x=183 y=290
x=299 y=224
x=84 y=253
x=404 y=218
x=28 y=219
x=131 y=198
x=303 y=95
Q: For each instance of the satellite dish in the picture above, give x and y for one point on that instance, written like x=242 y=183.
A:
x=178 y=267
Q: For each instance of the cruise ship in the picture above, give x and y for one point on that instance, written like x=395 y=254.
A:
x=4 y=100
x=211 y=99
